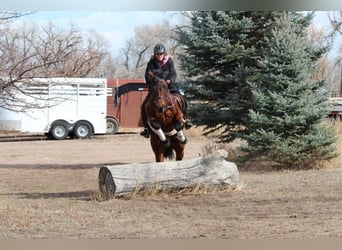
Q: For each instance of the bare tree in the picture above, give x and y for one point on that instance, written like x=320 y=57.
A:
x=139 y=49
x=107 y=68
x=28 y=52
x=335 y=18
x=318 y=37
x=8 y=16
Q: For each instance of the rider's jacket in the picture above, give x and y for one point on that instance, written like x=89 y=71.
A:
x=156 y=70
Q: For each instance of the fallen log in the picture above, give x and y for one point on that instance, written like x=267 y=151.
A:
x=209 y=170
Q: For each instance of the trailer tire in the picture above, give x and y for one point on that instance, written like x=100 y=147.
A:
x=112 y=126
x=82 y=130
x=59 y=130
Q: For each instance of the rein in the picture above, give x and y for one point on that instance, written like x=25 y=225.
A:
x=162 y=98
x=162 y=108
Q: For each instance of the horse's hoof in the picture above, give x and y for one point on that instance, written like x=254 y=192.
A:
x=184 y=142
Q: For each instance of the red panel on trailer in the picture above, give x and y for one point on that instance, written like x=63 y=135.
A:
x=126 y=107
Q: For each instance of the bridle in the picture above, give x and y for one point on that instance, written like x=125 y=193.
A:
x=163 y=97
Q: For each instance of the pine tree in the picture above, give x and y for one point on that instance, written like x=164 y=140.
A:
x=250 y=74
x=222 y=52
x=286 y=122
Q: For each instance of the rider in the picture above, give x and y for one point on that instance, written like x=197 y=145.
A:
x=160 y=66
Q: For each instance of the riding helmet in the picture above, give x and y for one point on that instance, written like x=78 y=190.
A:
x=159 y=49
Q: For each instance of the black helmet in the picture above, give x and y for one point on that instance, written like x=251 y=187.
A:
x=159 y=49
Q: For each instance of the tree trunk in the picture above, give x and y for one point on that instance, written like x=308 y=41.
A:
x=210 y=170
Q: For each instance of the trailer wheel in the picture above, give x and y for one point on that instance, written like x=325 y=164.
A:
x=112 y=126
x=59 y=130
x=82 y=130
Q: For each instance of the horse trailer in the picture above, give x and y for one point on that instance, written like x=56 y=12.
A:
x=59 y=107
x=124 y=99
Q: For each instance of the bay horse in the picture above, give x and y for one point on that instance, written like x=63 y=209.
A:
x=166 y=122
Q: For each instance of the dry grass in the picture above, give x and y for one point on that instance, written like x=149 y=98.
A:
x=233 y=152
x=196 y=189
x=212 y=146
x=164 y=192
x=61 y=202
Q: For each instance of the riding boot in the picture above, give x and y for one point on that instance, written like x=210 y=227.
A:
x=146 y=132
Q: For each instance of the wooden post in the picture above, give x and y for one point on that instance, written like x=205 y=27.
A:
x=210 y=170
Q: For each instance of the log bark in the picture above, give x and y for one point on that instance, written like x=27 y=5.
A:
x=210 y=170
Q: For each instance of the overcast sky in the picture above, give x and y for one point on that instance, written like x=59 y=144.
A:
x=115 y=26
x=118 y=26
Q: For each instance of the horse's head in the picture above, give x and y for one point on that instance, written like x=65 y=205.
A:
x=160 y=88
x=161 y=96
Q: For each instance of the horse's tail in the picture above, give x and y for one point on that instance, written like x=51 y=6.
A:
x=168 y=153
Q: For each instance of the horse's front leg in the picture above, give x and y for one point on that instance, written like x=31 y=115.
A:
x=156 y=148
x=179 y=156
x=159 y=157
x=156 y=128
x=180 y=135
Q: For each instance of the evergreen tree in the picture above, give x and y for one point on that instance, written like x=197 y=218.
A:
x=286 y=122
x=222 y=52
x=222 y=49
x=255 y=83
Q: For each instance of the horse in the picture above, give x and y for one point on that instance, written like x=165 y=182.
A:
x=166 y=122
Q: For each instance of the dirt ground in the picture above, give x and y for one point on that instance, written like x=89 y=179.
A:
x=47 y=190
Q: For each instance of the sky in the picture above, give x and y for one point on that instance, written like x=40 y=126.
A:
x=114 y=26
x=322 y=21
x=118 y=26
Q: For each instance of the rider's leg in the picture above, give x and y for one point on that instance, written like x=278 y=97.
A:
x=143 y=115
